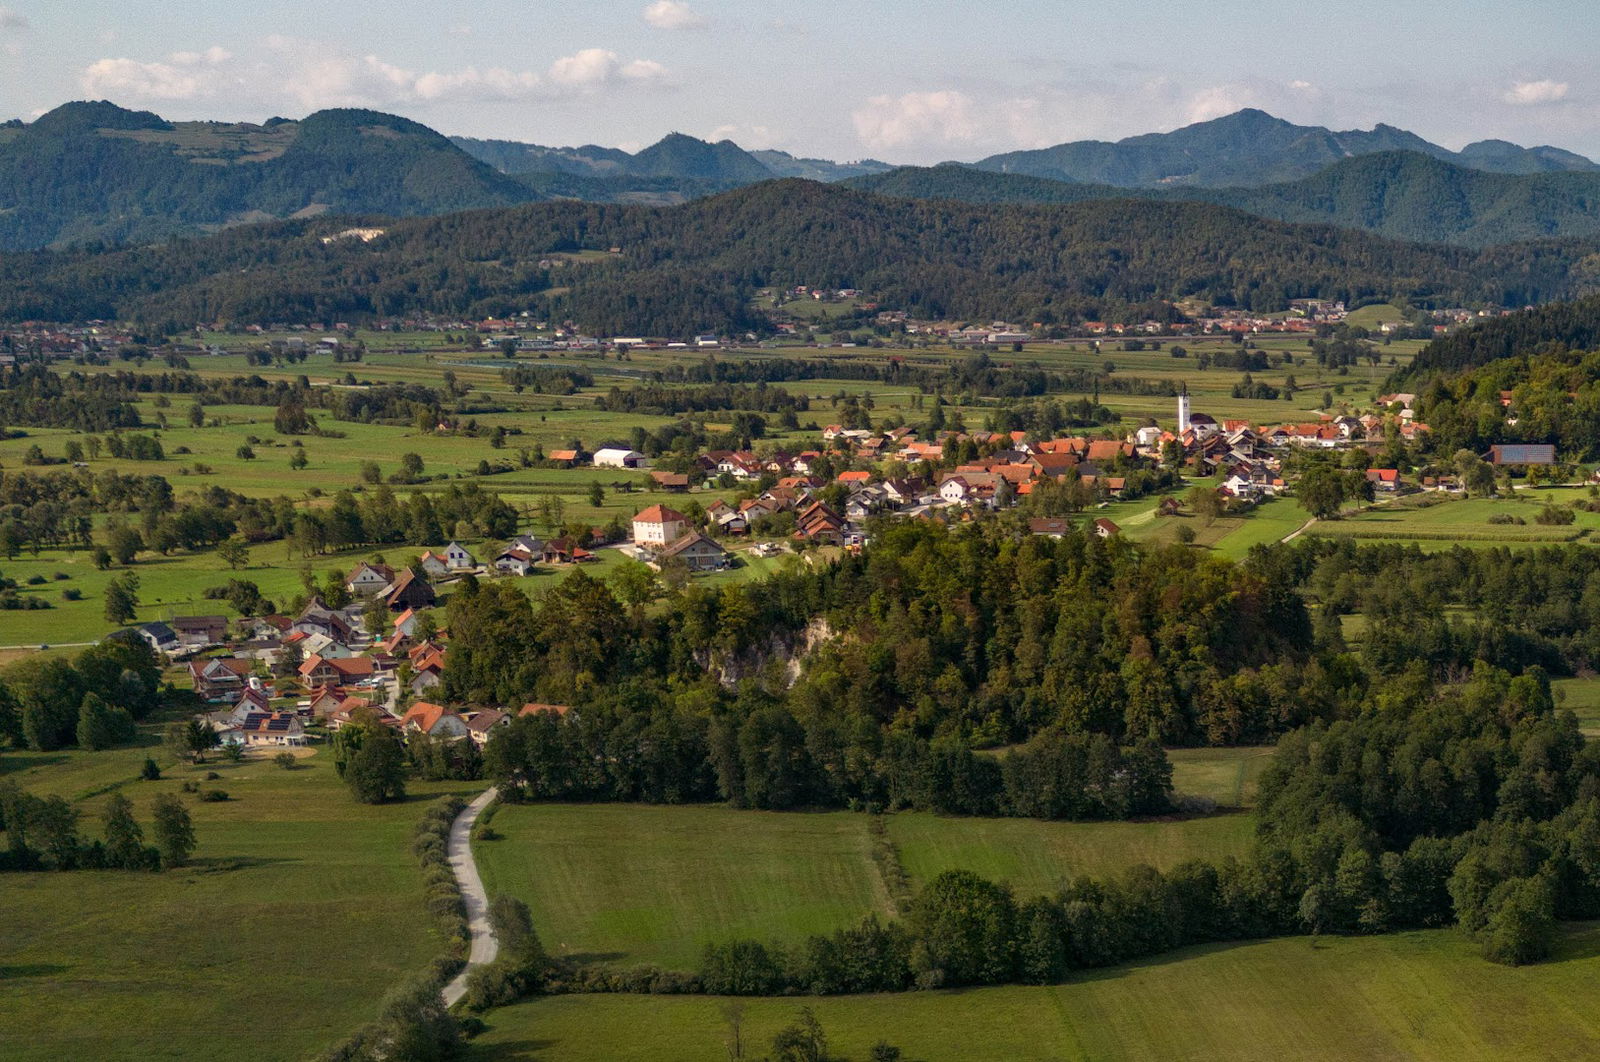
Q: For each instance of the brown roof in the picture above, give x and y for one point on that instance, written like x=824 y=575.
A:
x=425 y=715
x=670 y=479
x=693 y=538
x=660 y=514
x=534 y=708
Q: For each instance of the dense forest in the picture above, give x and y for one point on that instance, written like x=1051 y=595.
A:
x=1556 y=328
x=1404 y=195
x=94 y=173
x=695 y=267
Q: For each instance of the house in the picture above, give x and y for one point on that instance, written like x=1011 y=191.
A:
x=200 y=630
x=159 y=636
x=658 y=526
x=617 y=457
x=434 y=564
x=732 y=522
x=457 y=559
x=564 y=551
x=1050 y=527
x=531 y=543
x=1105 y=528
x=319 y=670
x=672 y=482
x=481 y=724
x=405 y=624
x=435 y=720
x=318 y=618
x=565 y=458
x=514 y=562
x=1523 y=454
x=1384 y=478
x=408 y=592
x=220 y=678
x=273 y=728
x=367 y=579
x=698 y=553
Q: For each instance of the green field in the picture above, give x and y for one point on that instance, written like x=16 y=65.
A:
x=1438 y=522
x=649 y=884
x=1582 y=697
x=300 y=910
x=1424 y=996
x=1037 y=858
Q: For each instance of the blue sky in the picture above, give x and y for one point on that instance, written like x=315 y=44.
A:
x=899 y=80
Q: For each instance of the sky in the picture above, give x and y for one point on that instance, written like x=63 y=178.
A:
x=905 y=81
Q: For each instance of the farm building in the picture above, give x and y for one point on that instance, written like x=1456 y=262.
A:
x=1523 y=454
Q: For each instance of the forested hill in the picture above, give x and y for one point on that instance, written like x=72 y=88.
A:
x=1545 y=329
x=1251 y=147
x=95 y=173
x=695 y=267
x=1402 y=194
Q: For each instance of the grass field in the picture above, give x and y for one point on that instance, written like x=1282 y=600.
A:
x=1582 y=697
x=645 y=884
x=300 y=910
x=1037 y=858
x=1432 y=521
x=629 y=882
x=1424 y=996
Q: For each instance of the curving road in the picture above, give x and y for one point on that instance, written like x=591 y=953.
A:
x=484 y=945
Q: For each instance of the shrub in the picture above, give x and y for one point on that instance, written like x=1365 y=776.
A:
x=213 y=796
x=285 y=760
x=150 y=772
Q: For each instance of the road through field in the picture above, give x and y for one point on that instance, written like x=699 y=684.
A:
x=484 y=945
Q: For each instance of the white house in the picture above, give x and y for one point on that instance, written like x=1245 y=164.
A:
x=659 y=526
x=617 y=457
x=434 y=564
x=514 y=562
x=457 y=559
x=369 y=579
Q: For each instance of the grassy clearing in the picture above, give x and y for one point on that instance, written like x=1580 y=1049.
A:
x=1582 y=697
x=1424 y=996
x=643 y=884
x=297 y=896
x=1039 y=857
x=1227 y=776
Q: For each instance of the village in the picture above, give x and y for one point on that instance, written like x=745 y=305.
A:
x=279 y=681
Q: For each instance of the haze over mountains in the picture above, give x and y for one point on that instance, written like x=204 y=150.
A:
x=88 y=174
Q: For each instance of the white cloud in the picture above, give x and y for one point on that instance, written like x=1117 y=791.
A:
x=673 y=15
x=943 y=117
x=12 y=20
x=1533 y=93
x=184 y=76
x=314 y=75
x=594 y=68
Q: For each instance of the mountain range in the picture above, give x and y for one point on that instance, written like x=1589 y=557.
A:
x=1251 y=147
x=94 y=174
x=697 y=267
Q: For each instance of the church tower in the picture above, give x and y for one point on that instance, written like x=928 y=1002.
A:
x=1183 y=411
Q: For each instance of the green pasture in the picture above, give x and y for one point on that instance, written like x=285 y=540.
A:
x=298 y=899
x=1038 y=858
x=1437 y=521
x=648 y=884
x=1425 y=996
